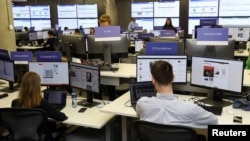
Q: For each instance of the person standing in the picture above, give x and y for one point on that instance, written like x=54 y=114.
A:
x=132 y=24
x=169 y=26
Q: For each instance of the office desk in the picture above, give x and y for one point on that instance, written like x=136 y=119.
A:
x=245 y=53
x=92 y=117
x=30 y=47
x=118 y=107
x=113 y=78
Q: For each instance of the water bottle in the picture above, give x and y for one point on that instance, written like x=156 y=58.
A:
x=74 y=99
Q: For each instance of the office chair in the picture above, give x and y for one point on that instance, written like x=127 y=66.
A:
x=148 y=131
x=24 y=124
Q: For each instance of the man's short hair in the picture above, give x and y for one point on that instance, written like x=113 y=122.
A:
x=105 y=18
x=50 y=32
x=162 y=72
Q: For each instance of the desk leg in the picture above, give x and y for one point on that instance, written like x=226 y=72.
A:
x=124 y=129
x=107 y=132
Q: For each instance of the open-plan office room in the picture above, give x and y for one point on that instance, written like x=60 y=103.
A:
x=90 y=82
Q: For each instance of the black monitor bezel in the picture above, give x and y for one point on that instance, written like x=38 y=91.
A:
x=14 y=74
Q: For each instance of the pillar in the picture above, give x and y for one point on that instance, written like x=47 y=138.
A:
x=7 y=33
x=111 y=10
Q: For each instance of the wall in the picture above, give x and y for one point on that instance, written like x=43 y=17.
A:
x=123 y=9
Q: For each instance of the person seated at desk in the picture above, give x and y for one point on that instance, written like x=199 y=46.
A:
x=169 y=26
x=26 y=29
x=143 y=50
x=51 y=41
x=165 y=108
x=77 y=31
x=92 y=31
x=30 y=96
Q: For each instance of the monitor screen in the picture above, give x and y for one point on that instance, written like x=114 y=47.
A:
x=203 y=8
x=7 y=71
x=138 y=45
x=87 y=23
x=218 y=74
x=51 y=73
x=108 y=51
x=43 y=34
x=181 y=50
x=22 y=22
x=41 y=24
x=76 y=43
x=87 y=11
x=70 y=23
x=162 y=21
x=234 y=8
x=167 y=9
x=144 y=64
x=33 y=36
x=142 y=9
x=40 y=11
x=146 y=23
x=85 y=77
x=21 y=12
x=238 y=33
x=223 y=52
x=66 y=11
x=237 y=21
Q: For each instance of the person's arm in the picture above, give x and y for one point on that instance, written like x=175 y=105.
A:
x=204 y=117
x=52 y=112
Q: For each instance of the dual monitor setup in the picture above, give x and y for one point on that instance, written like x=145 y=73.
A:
x=85 y=47
x=221 y=75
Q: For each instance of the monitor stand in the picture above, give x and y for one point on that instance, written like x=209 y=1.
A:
x=89 y=101
x=216 y=100
x=210 y=51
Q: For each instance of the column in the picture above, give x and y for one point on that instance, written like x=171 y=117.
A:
x=111 y=10
x=7 y=33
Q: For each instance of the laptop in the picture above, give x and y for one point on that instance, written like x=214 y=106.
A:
x=141 y=89
x=57 y=98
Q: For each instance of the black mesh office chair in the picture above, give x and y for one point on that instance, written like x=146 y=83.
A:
x=148 y=131
x=24 y=124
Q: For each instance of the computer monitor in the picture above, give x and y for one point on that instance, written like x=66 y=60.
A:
x=85 y=77
x=181 y=49
x=218 y=74
x=21 y=38
x=77 y=45
x=51 y=73
x=7 y=71
x=109 y=51
x=223 y=52
x=145 y=62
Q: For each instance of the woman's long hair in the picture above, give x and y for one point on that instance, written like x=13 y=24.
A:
x=30 y=90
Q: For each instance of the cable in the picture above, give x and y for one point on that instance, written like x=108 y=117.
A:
x=126 y=104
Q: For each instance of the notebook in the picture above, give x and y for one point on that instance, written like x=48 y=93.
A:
x=57 y=98
x=140 y=89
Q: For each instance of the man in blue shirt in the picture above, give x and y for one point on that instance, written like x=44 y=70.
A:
x=132 y=24
x=166 y=108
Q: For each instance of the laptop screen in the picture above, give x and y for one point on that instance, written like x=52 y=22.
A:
x=55 y=97
x=141 y=89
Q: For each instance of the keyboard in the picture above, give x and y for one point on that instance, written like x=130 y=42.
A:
x=217 y=110
x=106 y=68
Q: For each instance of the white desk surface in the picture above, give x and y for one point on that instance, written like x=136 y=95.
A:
x=118 y=107
x=124 y=71
x=245 y=53
x=30 y=47
x=92 y=117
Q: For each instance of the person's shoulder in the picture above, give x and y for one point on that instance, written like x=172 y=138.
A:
x=145 y=100
x=14 y=103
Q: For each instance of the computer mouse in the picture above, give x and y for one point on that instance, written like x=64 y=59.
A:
x=82 y=110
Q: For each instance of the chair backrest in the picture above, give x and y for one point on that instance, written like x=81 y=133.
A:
x=148 y=131
x=24 y=123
